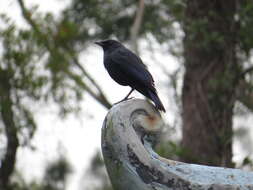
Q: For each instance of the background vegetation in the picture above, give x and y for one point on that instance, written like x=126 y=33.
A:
x=41 y=63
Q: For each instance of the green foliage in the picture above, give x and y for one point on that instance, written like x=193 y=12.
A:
x=56 y=174
x=107 y=19
x=15 y=66
x=38 y=70
x=247 y=162
x=174 y=151
x=245 y=20
x=41 y=61
x=36 y=67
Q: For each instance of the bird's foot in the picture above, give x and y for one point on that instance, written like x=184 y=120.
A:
x=125 y=99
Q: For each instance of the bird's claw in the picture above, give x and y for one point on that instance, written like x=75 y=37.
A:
x=125 y=99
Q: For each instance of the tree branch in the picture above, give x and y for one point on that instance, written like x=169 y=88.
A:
x=136 y=25
x=246 y=71
x=100 y=96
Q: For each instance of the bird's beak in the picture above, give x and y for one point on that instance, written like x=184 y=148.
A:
x=99 y=43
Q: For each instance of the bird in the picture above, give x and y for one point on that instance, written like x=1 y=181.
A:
x=127 y=69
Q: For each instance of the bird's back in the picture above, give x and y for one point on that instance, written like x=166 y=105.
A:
x=126 y=68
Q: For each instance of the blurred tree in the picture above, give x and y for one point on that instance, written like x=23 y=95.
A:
x=211 y=73
x=217 y=62
x=95 y=177
x=56 y=77
x=56 y=174
x=18 y=82
x=217 y=48
x=216 y=54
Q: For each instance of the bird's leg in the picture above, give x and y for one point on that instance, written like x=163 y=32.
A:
x=126 y=96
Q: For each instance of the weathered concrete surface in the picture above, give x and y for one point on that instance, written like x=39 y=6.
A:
x=130 y=130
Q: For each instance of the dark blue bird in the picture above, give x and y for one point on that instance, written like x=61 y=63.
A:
x=127 y=69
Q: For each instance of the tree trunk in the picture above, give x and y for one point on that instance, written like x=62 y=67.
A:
x=210 y=73
x=6 y=113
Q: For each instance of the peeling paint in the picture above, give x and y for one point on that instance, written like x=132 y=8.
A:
x=132 y=164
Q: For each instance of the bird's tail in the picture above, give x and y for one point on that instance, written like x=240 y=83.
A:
x=158 y=104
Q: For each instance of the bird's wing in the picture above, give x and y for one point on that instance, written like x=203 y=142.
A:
x=132 y=68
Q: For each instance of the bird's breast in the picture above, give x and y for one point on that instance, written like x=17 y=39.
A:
x=115 y=73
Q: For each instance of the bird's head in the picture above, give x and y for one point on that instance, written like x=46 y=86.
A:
x=108 y=44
